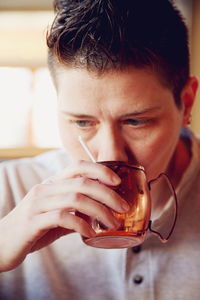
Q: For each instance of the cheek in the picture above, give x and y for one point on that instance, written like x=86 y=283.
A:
x=70 y=141
x=155 y=152
x=73 y=147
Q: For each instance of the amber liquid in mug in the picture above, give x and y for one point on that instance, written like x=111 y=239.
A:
x=133 y=224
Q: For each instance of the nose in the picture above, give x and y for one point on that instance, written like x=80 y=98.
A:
x=110 y=145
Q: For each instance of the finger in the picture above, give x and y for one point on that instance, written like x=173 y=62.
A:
x=90 y=188
x=54 y=219
x=83 y=204
x=90 y=170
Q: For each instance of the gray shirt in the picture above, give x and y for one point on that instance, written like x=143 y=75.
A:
x=68 y=269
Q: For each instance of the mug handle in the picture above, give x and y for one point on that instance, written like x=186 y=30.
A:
x=164 y=240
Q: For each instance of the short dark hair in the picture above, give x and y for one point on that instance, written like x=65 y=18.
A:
x=103 y=35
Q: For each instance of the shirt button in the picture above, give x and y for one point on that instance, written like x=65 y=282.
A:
x=138 y=279
x=136 y=249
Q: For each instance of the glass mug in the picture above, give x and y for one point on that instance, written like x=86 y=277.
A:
x=134 y=224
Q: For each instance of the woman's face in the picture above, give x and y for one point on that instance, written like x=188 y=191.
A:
x=123 y=115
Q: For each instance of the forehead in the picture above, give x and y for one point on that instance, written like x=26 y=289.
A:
x=113 y=93
x=130 y=79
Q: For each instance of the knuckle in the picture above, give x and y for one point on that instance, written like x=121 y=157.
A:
x=107 y=171
x=82 y=181
x=59 y=215
x=81 y=223
x=105 y=210
x=50 y=180
x=114 y=198
x=78 y=163
x=37 y=190
x=75 y=199
x=30 y=208
x=113 y=194
x=81 y=162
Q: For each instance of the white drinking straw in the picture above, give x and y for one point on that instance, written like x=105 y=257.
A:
x=83 y=144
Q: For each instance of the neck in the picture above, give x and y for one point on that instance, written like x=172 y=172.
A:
x=175 y=171
x=179 y=162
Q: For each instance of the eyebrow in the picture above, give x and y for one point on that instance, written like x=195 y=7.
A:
x=78 y=116
x=141 y=112
x=135 y=113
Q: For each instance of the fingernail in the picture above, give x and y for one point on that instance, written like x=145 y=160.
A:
x=114 y=224
x=91 y=233
x=125 y=206
x=116 y=180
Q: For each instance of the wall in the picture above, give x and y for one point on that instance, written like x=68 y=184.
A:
x=196 y=62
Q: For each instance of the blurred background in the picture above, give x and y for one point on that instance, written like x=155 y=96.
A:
x=28 y=123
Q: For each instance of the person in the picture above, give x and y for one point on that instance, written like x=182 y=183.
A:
x=122 y=75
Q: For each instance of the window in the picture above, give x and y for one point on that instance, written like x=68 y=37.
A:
x=28 y=108
x=28 y=116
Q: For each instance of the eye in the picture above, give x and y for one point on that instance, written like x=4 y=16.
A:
x=135 y=122
x=83 y=123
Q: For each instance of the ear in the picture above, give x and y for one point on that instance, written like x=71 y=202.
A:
x=187 y=98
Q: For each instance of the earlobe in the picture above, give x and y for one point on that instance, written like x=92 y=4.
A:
x=188 y=95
